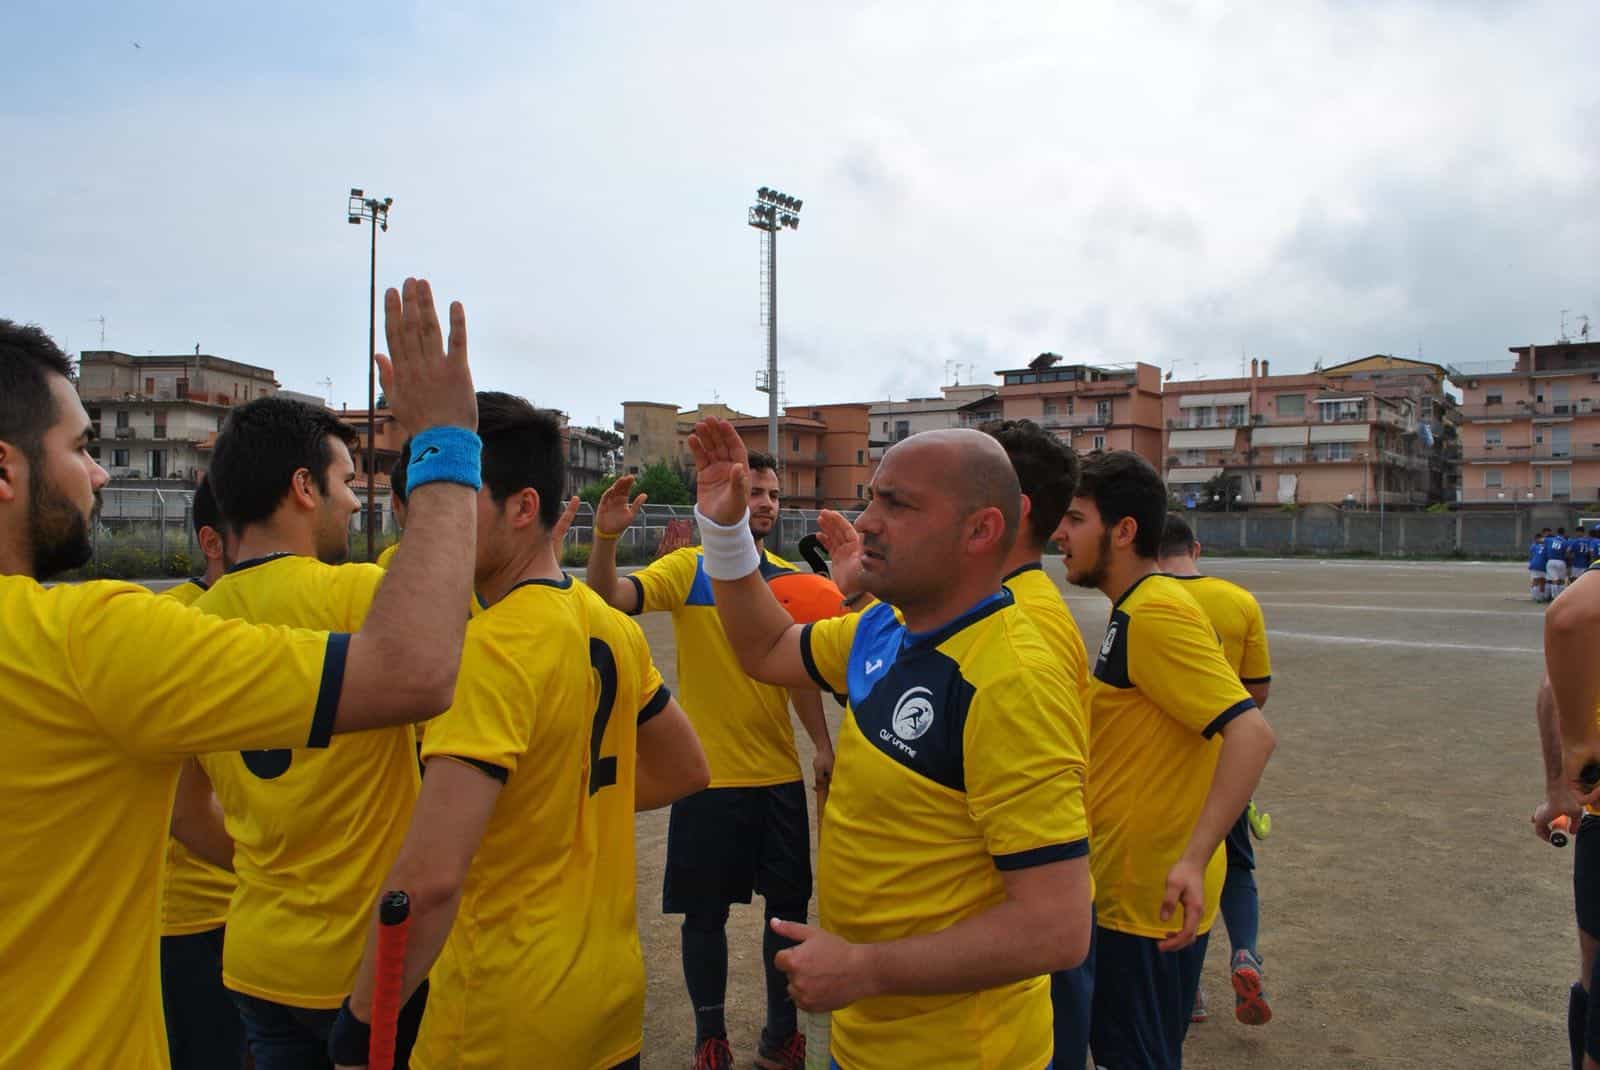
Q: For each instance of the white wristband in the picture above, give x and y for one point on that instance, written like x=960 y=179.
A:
x=730 y=551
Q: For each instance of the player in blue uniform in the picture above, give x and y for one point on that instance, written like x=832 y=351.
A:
x=1555 y=564
x=1536 y=563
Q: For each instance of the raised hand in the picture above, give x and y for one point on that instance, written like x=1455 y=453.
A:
x=558 y=534
x=427 y=385
x=615 y=512
x=843 y=543
x=676 y=537
x=722 y=485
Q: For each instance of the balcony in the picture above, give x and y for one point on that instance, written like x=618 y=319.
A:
x=1524 y=410
x=1221 y=424
x=1057 y=420
x=124 y=432
x=1525 y=495
x=1511 y=453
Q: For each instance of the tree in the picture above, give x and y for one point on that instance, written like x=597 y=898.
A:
x=591 y=492
x=1217 y=496
x=610 y=438
x=663 y=485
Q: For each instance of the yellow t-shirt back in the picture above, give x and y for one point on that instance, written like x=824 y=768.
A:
x=542 y=966
x=743 y=725
x=117 y=687
x=961 y=755
x=1236 y=615
x=1160 y=689
x=314 y=831
x=195 y=893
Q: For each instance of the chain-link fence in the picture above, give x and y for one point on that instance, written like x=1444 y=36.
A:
x=144 y=532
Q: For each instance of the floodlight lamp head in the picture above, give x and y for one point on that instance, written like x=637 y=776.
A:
x=798 y=203
x=355 y=219
x=355 y=192
x=387 y=201
x=763 y=193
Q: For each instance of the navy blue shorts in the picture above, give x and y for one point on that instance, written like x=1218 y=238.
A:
x=1142 y=1001
x=203 y=1027
x=1241 y=852
x=725 y=844
x=1586 y=900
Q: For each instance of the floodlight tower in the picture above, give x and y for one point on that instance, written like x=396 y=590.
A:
x=772 y=212
x=372 y=210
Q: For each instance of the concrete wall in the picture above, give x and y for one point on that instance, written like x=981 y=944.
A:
x=1323 y=529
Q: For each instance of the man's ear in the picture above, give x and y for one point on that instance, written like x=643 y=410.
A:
x=9 y=471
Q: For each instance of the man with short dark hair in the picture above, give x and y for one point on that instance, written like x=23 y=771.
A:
x=1236 y=615
x=1160 y=692
x=397 y=502
x=310 y=828
x=203 y=1027
x=1047 y=471
x=748 y=832
x=119 y=686
x=952 y=869
x=520 y=856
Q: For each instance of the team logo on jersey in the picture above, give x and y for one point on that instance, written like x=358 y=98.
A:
x=1110 y=640
x=913 y=714
x=874 y=665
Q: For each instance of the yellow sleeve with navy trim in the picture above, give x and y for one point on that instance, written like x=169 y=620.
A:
x=1025 y=760
x=492 y=717
x=1257 y=666
x=281 y=687
x=825 y=648
x=1175 y=659
x=664 y=583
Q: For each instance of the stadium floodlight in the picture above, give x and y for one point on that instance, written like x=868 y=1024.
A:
x=765 y=216
x=371 y=209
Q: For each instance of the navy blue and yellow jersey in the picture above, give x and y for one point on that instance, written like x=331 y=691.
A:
x=961 y=756
x=743 y=724
x=1042 y=601
x=313 y=830
x=1236 y=615
x=1160 y=691
x=543 y=966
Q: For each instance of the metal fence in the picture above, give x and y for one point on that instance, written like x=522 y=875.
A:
x=1330 y=531
x=145 y=532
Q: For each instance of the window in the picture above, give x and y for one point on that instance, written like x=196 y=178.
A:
x=886 y=427
x=902 y=429
x=859 y=489
x=122 y=419
x=94 y=417
x=1205 y=417
x=1332 y=451
x=1491 y=437
x=183 y=387
x=1291 y=405
x=1258 y=484
x=158 y=464
x=1290 y=454
x=1338 y=411
x=794 y=444
x=1049 y=407
x=94 y=451
x=1029 y=377
x=119 y=458
x=861 y=458
x=1099 y=442
x=1492 y=399
x=1102 y=412
x=1538 y=477
x=1194 y=458
x=633 y=469
x=633 y=440
x=149 y=385
x=161 y=423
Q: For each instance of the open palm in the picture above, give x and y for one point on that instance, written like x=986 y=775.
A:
x=614 y=512
x=722 y=479
x=843 y=543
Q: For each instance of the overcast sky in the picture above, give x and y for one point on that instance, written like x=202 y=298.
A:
x=1174 y=182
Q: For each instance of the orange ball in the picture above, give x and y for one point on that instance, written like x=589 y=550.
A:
x=807 y=596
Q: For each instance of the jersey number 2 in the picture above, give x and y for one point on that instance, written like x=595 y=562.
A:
x=602 y=771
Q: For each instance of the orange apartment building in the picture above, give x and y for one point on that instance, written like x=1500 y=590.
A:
x=1531 y=433
x=1091 y=408
x=847 y=465
x=1326 y=436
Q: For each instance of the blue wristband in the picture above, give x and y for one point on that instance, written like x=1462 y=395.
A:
x=445 y=455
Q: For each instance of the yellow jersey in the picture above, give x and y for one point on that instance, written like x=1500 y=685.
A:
x=961 y=755
x=313 y=830
x=1041 y=600
x=1160 y=690
x=386 y=556
x=543 y=961
x=195 y=894
x=1236 y=615
x=743 y=724
x=117 y=687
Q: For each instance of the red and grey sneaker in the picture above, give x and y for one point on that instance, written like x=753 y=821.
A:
x=1249 y=995
x=713 y=1053
x=789 y=1055
x=1199 y=1012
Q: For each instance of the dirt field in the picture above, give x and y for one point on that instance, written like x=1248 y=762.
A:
x=1409 y=917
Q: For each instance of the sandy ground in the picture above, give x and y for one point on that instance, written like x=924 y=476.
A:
x=1409 y=916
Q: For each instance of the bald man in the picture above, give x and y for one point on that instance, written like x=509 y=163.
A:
x=952 y=873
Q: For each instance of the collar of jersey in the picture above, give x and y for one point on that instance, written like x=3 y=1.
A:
x=561 y=585
x=254 y=561
x=199 y=581
x=1132 y=588
x=1020 y=569
x=1174 y=576
x=991 y=604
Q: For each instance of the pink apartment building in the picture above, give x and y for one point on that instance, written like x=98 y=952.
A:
x=1091 y=408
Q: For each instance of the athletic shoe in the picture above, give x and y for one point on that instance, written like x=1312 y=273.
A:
x=790 y=1055
x=1259 y=820
x=713 y=1054
x=1249 y=997
x=1199 y=1014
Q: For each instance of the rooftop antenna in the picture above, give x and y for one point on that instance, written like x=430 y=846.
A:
x=101 y=320
x=327 y=390
x=1563 y=339
x=1583 y=331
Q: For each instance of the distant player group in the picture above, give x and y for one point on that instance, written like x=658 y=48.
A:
x=1022 y=851
x=1556 y=559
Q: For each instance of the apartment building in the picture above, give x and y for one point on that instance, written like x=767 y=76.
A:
x=1294 y=440
x=1530 y=427
x=1089 y=407
x=155 y=416
x=847 y=465
x=956 y=406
